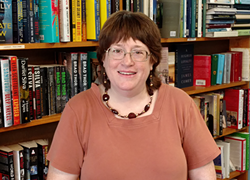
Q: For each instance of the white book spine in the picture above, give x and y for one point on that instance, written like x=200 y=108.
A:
x=151 y=9
x=6 y=93
x=146 y=7
x=199 y=20
x=229 y=68
x=240 y=114
x=184 y=18
x=64 y=21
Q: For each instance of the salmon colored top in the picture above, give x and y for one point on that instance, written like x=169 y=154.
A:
x=92 y=142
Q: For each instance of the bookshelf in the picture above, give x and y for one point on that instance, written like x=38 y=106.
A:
x=43 y=53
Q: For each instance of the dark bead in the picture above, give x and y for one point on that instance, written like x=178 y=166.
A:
x=105 y=97
x=114 y=111
x=150 y=92
x=146 y=107
x=131 y=115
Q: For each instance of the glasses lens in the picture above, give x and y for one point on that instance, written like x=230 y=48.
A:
x=116 y=53
x=139 y=55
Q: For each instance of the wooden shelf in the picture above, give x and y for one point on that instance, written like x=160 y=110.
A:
x=197 y=90
x=228 y=131
x=38 y=122
x=27 y=46
x=232 y=175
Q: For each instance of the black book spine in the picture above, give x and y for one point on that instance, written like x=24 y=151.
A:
x=36 y=21
x=26 y=159
x=34 y=164
x=51 y=90
x=37 y=83
x=24 y=90
x=58 y=89
x=7 y=164
x=30 y=82
x=83 y=73
x=63 y=87
x=26 y=21
x=74 y=82
x=245 y=107
x=31 y=21
x=44 y=91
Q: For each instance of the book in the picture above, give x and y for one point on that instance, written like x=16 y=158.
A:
x=64 y=21
x=226 y=155
x=76 y=20
x=202 y=70
x=17 y=20
x=6 y=92
x=237 y=152
x=44 y=91
x=184 y=65
x=246 y=136
x=23 y=90
x=214 y=68
x=227 y=68
x=234 y=104
x=42 y=148
x=36 y=21
x=58 y=88
x=31 y=96
x=236 y=66
x=48 y=21
x=82 y=64
x=26 y=21
x=105 y=11
x=219 y=163
x=162 y=68
x=245 y=62
x=171 y=18
x=6 y=162
x=84 y=25
x=171 y=68
x=63 y=87
x=30 y=153
x=93 y=19
x=222 y=34
x=18 y=161
x=220 y=68
x=6 y=26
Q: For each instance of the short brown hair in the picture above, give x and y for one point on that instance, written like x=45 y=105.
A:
x=123 y=25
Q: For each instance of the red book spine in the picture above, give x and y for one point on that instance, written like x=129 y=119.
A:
x=248 y=106
x=15 y=90
x=202 y=70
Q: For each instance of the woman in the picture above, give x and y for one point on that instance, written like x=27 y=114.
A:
x=131 y=127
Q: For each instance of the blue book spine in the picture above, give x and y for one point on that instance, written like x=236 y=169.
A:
x=188 y=18
x=6 y=26
x=193 y=18
x=97 y=20
x=220 y=22
x=108 y=8
x=242 y=1
x=26 y=20
x=48 y=21
x=220 y=68
x=36 y=21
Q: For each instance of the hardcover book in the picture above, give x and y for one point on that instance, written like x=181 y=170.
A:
x=36 y=21
x=202 y=70
x=26 y=21
x=63 y=87
x=214 y=68
x=234 y=103
x=64 y=21
x=48 y=21
x=105 y=11
x=6 y=26
x=226 y=153
x=162 y=68
x=83 y=73
x=30 y=84
x=184 y=65
x=6 y=162
x=219 y=163
x=44 y=91
x=17 y=20
x=6 y=92
x=42 y=146
x=220 y=68
x=76 y=20
x=93 y=19
x=84 y=25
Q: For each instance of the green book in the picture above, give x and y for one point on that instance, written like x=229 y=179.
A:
x=214 y=67
x=246 y=136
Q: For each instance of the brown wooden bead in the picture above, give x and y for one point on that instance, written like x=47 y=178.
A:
x=114 y=111
x=146 y=107
x=131 y=115
x=105 y=97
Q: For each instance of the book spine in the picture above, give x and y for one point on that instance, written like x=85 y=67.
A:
x=30 y=82
x=74 y=74
x=78 y=20
x=6 y=34
x=84 y=28
x=34 y=163
x=15 y=21
x=1 y=100
x=93 y=19
x=24 y=90
x=20 y=20
x=31 y=21
x=7 y=164
x=73 y=20
x=193 y=18
x=248 y=107
x=214 y=67
x=63 y=87
x=245 y=107
x=220 y=68
x=51 y=90
x=36 y=21
x=26 y=21
x=26 y=157
x=37 y=89
x=15 y=90
x=240 y=107
x=44 y=91
x=58 y=89
x=6 y=93
x=83 y=72
x=64 y=21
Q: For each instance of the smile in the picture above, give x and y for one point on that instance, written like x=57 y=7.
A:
x=126 y=73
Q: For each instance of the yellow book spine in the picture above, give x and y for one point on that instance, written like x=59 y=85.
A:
x=78 y=21
x=93 y=19
x=105 y=11
x=84 y=28
x=73 y=14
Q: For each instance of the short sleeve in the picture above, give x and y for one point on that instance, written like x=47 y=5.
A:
x=198 y=143
x=66 y=152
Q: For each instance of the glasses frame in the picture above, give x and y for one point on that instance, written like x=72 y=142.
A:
x=147 y=55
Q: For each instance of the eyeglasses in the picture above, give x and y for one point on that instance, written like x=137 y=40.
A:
x=136 y=55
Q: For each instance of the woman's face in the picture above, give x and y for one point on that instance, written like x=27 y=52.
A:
x=127 y=74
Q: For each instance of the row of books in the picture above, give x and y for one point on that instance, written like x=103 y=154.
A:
x=234 y=154
x=182 y=68
x=29 y=92
x=203 y=18
x=25 y=160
